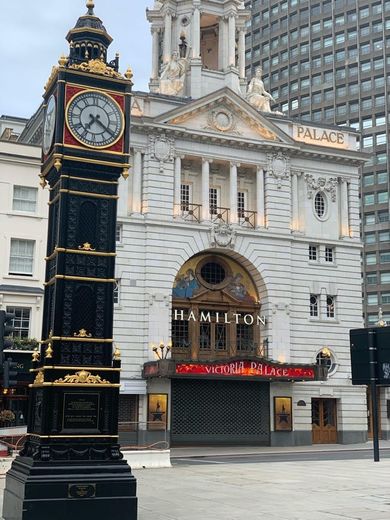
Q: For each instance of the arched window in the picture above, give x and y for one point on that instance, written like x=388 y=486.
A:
x=325 y=358
x=216 y=310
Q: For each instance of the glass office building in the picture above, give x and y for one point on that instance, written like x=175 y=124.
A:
x=329 y=62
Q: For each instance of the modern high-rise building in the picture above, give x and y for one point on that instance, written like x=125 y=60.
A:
x=329 y=62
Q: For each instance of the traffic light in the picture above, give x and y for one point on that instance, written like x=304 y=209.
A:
x=5 y=330
x=9 y=372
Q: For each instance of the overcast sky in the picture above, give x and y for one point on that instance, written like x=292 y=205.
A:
x=32 y=38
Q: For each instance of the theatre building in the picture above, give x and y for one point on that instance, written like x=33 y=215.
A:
x=238 y=251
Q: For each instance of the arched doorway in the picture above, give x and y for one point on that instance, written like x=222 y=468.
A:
x=216 y=312
x=216 y=316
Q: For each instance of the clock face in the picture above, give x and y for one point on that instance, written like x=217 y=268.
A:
x=95 y=119
x=50 y=125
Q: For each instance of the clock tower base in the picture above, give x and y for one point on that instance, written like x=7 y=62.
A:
x=38 y=490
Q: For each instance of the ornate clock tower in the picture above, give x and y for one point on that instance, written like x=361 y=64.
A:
x=71 y=464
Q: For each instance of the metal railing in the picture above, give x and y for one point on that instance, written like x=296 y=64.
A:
x=189 y=212
x=247 y=219
x=219 y=215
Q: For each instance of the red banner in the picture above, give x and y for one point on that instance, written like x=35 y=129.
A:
x=247 y=368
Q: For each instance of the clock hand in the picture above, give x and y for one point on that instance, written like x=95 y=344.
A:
x=97 y=120
x=93 y=120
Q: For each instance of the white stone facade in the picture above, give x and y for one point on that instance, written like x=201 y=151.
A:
x=23 y=217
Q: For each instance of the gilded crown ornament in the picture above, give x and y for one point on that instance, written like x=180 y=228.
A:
x=82 y=377
x=86 y=247
x=40 y=378
x=82 y=333
x=49 y=351
x=117 y=354
x=35 y=356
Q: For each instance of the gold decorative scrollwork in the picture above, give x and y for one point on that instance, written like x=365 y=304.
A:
x=82 y=377
x=35 y=356
x=82 y=333
x=96 y=67
x=40 y=378
x=86 y=247
x=49 y=351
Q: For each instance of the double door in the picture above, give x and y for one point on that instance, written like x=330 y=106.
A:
x=324 y=421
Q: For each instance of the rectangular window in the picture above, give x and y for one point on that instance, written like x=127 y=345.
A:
x=244 y=337
x=371 y=279
x=329 y=254
x=214 y=201
x=371 y=259
x=385 y=277
x=25 y=199
x=372 y=299
x=382 y=177
x=383 y=216
x=21 y=322
x=180 y=334
x=118 y=233
x=21 y=257
x=241 y=204
x=384 y=236
x=369 y=180
x=185 y=197
x=117 y=292
x=314 y=298
x=369 y=219
x=385 y=298
x=369 y=199
x=383 y=197
x=313 y=252
x=384 y=258
x=369 y=238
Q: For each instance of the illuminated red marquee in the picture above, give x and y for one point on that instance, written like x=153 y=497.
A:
x=247 y=368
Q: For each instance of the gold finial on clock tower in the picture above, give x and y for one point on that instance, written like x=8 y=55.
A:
x=90 y=6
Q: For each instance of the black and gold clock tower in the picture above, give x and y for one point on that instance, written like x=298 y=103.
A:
x=71 y=465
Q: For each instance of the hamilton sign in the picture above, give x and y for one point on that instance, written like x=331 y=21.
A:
x=320 y=136
x=219 y=317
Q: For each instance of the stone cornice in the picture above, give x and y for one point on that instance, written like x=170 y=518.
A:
x=314 y=152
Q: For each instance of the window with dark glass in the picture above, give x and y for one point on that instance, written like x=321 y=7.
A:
x=330 y=306
x=314 y=305
x=21 y=322
x=319 y=205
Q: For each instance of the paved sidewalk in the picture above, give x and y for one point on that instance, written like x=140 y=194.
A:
x=337 y=490
x=321 y=490
x=198 y=451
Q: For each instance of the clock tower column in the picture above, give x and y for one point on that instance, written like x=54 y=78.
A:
x=71 y=464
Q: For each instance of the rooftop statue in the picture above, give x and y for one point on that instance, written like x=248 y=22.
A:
x=257 y=96
x=172 y=75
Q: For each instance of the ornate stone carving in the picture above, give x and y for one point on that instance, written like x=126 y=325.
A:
x=82 y=377
x=162 y=149
x=223 y=121
x=279 y=167
x=223 y=235
x=321 y=184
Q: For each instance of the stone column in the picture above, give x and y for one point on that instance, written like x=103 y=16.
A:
x=155 y=53
x=177 y=193
x=205 y=189
x=196 y=33
x=167 y=37
x=260 y=197
x=232 y=40
x=295 y=202
x=344 y=208
x=233 y=193
x=241 y=53
x=137 y=183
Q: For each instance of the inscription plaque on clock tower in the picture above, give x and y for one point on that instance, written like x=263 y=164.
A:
x=71 y=465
